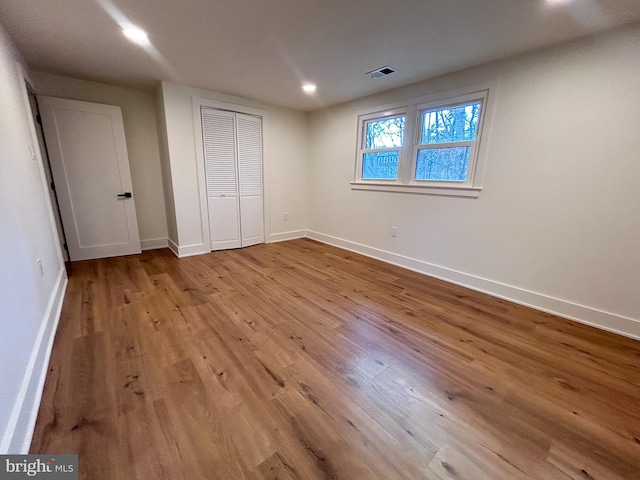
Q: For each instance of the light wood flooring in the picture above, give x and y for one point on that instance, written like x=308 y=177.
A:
x=298 y=360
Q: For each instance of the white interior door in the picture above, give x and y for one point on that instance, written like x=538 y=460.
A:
x=90 y=166
x=249 y=136
x=219 y=138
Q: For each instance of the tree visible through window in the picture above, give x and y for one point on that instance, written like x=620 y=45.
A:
x=447 y=137
x=383 y=141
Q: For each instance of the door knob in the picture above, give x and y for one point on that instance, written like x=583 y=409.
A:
x=124 y=195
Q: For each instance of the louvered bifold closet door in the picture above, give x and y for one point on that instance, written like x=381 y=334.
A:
x=219 y=139
x=249 y=130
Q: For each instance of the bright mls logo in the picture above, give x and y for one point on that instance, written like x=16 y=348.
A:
x=51 y=467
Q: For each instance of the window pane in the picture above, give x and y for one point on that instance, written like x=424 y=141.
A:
x=382 y=165
x=450 y=124
x=385 y=133
x=443 y=164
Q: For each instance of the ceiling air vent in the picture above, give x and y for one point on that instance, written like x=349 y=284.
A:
x=381 y=72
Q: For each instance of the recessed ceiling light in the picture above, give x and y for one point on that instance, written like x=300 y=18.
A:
x=136 y=35
x=309 y=88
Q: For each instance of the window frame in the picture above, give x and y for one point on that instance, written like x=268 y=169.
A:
x=407 y=162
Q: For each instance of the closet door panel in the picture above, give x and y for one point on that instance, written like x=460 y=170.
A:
x=249 y=137
x=224 y=222
x=219 y=138
x=252 y=225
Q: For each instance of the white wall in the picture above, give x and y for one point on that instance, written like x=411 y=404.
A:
x=29 y=300
x=139 y=116
x=557 y=223
x=167 y=185
x=286 y=151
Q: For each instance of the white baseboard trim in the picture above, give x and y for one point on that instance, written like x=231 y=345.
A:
x=173 y=246
x=19 y=432
x=284 y=236
x=187 y=250
x=154 y=243
x=580 y=313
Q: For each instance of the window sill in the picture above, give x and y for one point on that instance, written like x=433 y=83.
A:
x=446 y=190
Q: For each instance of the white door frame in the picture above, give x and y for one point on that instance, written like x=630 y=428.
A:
x=24 y=81
x=42 y=147
x=197 y=103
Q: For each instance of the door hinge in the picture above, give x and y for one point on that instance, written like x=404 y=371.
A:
x=39 y=119
x=65 y=246
x=53 y=186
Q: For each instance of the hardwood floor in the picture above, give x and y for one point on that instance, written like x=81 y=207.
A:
x=298 y=360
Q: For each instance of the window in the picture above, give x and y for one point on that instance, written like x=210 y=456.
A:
x=447 y=136
x=425 y=147
x=381 y=145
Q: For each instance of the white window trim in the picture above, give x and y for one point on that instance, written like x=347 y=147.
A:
x=405 y=182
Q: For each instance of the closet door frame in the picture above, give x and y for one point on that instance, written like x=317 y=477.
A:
x=198 y=103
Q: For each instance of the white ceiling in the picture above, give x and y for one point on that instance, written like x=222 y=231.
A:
x=264 y=49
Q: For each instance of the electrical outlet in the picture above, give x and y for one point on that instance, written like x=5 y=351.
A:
x=286 y=216
x=41 y=267
x=394 y=232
